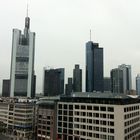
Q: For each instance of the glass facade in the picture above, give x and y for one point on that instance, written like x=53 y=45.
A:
x=94 y=67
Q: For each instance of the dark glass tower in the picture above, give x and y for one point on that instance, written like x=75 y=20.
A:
x=77 y=79
x=116 y=80
x=6 y=88
x=69 y=87
x=53 y=82
x=94 y=67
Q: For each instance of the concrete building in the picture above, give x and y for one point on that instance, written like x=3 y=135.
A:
x=53 y=82
x=6 y=88
x=22 y=62
x=94 y=116
x=47 y=118
x=127 y=78
x=138 y=84
x=94 y=67
x=19 y=117
x=69 y=87
x=116 y=80
x=107 y=84
x=77 y=79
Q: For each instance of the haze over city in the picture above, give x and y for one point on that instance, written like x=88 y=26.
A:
x=62 y=29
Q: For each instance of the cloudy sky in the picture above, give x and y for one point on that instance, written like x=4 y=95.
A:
x=62 y=29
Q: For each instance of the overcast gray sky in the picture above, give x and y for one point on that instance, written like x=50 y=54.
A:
x=62 y=29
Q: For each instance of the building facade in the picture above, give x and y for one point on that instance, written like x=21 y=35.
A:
x=94 y=116
x=138 y=84
x=53 y=82
x=18 y=115
x=6 y=88
x=121 y=79
x=94 y=67
x=69 y=87
x=127 y=78
x=107 y=84
x=77 y=79
x=22 y=62
x=47 y=118
x=116 y=80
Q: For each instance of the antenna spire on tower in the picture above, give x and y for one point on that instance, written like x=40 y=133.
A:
x=90 y=34
x=27 y=9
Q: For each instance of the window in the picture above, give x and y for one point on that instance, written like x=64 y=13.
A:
x=111 y=116
x=70 y=113
x=70 y=107
x=65 y=112
x=83 y=107
x=96 y=108
x=65 y=106
x=76 y=106
x=111 y=130
x=60 y=106
x=103 y=108
x=89 y=107
x=110 y=109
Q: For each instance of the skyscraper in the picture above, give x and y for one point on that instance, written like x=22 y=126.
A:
x=77 y=79
x=127 y=80
x=22 y=62
x=94 y=67
x=6 y=88
x=138 y=84
x=121 y=79
x=107 y=84
x=116 y=80
x=53 y=82
x=69 y=87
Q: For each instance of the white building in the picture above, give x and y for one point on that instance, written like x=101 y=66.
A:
x=98 y=116
x=22 y=62
x=138 y=84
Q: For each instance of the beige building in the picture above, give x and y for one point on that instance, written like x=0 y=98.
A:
x=98 y=116
x=19 y=117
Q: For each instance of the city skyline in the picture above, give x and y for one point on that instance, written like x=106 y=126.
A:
x=63 y=30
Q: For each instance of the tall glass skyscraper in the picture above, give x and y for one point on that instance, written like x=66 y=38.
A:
x=22 y=62
x=53 y=82
x=121 y=79
x=77 y=79
x=94 y=67
x=127 y=78
x=138 y=84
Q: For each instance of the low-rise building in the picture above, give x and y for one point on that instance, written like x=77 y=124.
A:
x=19 y=117
x=47 y=118
x=98 y=116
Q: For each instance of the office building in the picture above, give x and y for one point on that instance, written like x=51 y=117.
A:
x=47 y=118
x=69 y=87
x=77 y=79
x=53 y=82
x=22 y=61
x=138 y=84
x=107 y=84
x=116 y=80
x=6 y=88
x=127 y=79
x=121 y=79
x=94 y=116
x=94 y=67
x=18 y=115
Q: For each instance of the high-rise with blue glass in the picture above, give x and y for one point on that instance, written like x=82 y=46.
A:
x=94 y=67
